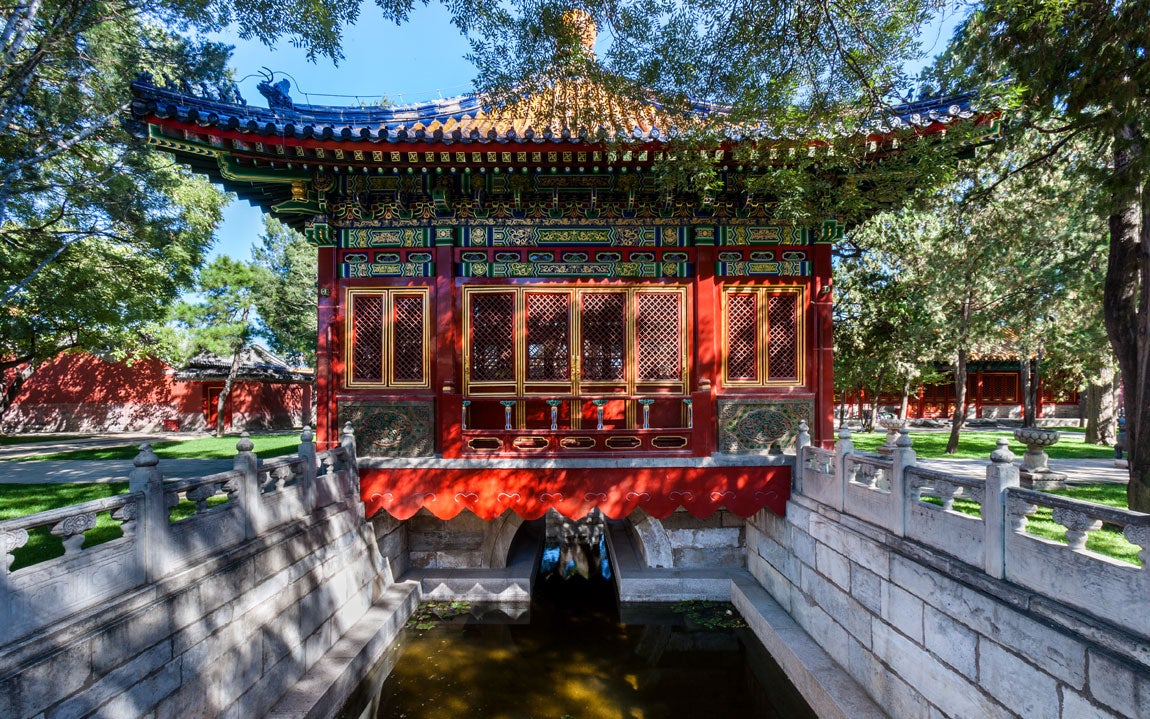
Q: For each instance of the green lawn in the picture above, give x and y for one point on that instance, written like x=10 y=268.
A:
x=267 y=445
x=1108 y=540
x=19 y=500
x=975 y=444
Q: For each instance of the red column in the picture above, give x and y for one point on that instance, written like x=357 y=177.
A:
x=446 y=347
x=822 y=427
x=978 y=393
x=327 y=434
x=706 y=370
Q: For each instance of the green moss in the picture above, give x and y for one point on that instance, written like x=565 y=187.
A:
x=430 y=614
x=712 y=615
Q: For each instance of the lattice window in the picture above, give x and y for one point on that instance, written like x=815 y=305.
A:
x=408 y=332
x=782 y=337
x=548 y=337
x=1000 y=387
x=659 y=336
x=743 y=337
x=493 y=337
x=388 y=338
x=603 y=325
x=367 y=338
x=763 y=336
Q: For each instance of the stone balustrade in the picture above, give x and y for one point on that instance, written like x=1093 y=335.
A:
x=223 y=510
x=918 y=504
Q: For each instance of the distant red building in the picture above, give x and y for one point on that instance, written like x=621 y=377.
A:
x=79 y=392
x=993 y=391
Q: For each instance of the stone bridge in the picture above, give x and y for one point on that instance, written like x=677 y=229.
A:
x=265 y=591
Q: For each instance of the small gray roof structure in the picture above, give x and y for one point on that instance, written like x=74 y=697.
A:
x=257 y=364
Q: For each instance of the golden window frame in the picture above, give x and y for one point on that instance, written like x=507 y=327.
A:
x=762 y=348
x=388 y=337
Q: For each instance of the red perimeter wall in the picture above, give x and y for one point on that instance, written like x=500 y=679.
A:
x=78 y=392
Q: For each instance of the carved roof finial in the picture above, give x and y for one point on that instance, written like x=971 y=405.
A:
x=584 y=26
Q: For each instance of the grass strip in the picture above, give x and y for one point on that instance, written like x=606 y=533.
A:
x=266 y=446
x=979 y=445
x=1107 y=541
x=21 y=500
x=10 y=439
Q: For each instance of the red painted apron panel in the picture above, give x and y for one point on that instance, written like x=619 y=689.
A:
x=658 y=491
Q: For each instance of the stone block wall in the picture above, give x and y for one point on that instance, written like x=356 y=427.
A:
x=683 y=541
x=223 y=639
x=929 y=637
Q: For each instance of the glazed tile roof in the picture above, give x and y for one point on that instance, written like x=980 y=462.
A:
x=257 y=364
x=566 y=110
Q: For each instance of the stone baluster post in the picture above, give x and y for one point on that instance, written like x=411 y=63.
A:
x=843 y=449
x=351 y=491
x=250 y=500
x=1001 y=474
x=802 y=441
x=153 y=539
x=347 y=441
x=902 y=457
x=307 y=454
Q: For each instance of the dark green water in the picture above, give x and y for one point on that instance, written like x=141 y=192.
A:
x=575 y=659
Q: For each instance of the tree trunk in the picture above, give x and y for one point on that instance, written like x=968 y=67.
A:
x=905 y=403
x=1100 y=416
x=233 y=370
x=1126 y=307
x=868 y=424
x=9 y=392
x=959 y=417
x=1027 y=395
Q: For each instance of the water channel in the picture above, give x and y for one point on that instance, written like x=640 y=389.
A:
x=576 y=653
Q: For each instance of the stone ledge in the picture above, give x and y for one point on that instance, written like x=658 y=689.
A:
x=826 y=686
x=640 y=583
x=324 y=689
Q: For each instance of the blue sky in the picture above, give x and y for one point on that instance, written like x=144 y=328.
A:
x=420 y=60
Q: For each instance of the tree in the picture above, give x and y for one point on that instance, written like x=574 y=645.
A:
x=881 y=329
x=285 y=292
x=1080 y=73
x=222 y=320
x=994 y=270
x=97 y=233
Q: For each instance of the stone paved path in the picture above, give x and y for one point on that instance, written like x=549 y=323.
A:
x=61 y=471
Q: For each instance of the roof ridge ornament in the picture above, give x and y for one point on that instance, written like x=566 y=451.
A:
x=583 y=25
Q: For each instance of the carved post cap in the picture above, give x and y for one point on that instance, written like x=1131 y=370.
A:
x=306 y=435
x=146 y=457
x=844 y=432
x=245 y=443
x=1002 y=455
x=348 y=429
x=904 y=439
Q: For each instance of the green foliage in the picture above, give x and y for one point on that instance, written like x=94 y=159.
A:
x=285 y=292
x=430 y=614
x=266 y=446
x=708 y=614
x=97 y=233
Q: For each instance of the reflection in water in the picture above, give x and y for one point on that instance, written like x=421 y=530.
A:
x=576 y=660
